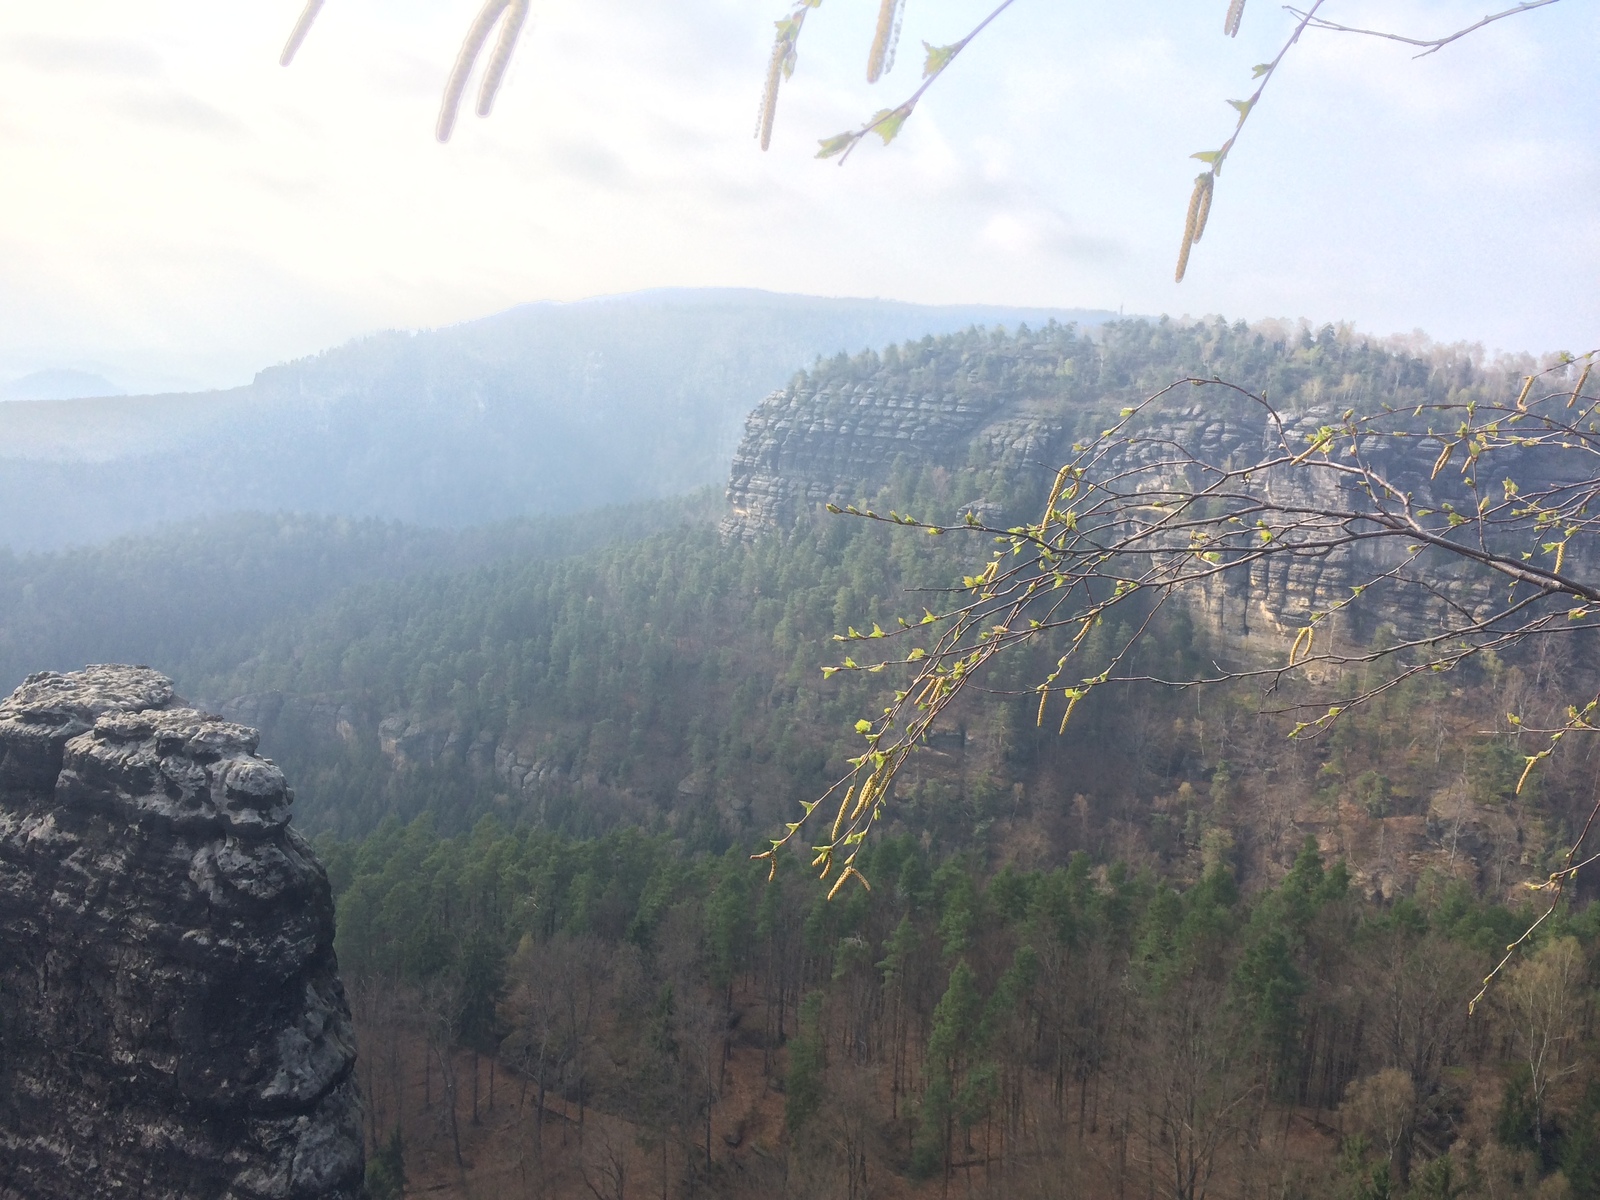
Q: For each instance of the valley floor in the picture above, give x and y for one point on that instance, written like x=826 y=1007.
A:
x=512 y=1146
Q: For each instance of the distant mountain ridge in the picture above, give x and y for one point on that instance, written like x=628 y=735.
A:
x=59 y=384
x=544 y=408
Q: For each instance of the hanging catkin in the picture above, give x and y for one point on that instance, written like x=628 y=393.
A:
x=1195 y=200
x=882 y=38
x=769 y=98
x=516 y=14
x=1205 y=206
x=298 y=33
x=1230 y=24
x=470 y=48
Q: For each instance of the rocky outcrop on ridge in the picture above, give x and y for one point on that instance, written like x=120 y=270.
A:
x=829 y=443
x=990 y=412
x=172 y=1022
x=818 y=443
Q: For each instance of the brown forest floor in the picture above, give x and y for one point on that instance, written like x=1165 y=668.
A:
x=503 y=1157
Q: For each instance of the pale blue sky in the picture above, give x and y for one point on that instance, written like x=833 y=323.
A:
x=179 y=211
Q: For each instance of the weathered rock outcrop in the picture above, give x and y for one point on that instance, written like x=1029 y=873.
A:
x=812 y=444
x=821 y=442
x=171 y=1018
x=1010 y=409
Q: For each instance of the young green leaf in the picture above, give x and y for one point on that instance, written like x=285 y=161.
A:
x=938 y=58
x=830 y=147
x=886 y=124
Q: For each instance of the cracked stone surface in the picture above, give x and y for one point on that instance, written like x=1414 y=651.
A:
x=814 y=443
x=171 y=1018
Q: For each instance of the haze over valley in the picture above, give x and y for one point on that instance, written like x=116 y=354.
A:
x=514 y=684
x=545 y=408
x=529 y=676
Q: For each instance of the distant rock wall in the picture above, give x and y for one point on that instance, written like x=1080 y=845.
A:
x=172 y=1022
x=812 y=444
x=809 y=445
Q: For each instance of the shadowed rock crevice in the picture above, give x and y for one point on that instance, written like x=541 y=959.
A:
x=171 y=1017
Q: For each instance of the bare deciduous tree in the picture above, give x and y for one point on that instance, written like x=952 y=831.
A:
x=1542 y=999
x=1383 y=1107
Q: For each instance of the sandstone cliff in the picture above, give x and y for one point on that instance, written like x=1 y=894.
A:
x=171 y=1018
x=993 y=417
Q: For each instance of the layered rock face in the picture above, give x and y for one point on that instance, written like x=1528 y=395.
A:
x=810 y=444
x=171 y=1018
x=1013 y=409
x=818 y=443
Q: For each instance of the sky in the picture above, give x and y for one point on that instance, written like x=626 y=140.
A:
x=179 y=211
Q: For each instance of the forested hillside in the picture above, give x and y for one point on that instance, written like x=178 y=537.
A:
x=669 y=1021
x=632 y=666
x=840 y=430
x=1166 y=952
x=545 y=408
x=197 y=596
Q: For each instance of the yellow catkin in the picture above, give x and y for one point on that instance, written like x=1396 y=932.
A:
x=1443 y=460
x=1044 y=698
x=838 y=821
x=1183 y=258
x=880 y=40
x=516 y=14
x=1526 y=771
x=1188 y=228
x=843 y=876
x=1072 y=703
x=1582 y=379
x=1230 y=23
x=471 y=45
x=769 y=98
x=1205 y=207
x=1302 y=639
x=1055 y=492
x=298 y=33
x=1522 y=396
x=861 y=803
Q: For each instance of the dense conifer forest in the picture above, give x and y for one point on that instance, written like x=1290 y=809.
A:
x=1168 y=953
x=1085 y=1029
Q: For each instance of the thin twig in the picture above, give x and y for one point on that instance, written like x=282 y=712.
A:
x=1430 y=45
x=842 y=144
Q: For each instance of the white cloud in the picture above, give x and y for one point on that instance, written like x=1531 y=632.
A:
x=181 y=209
x=97 y=56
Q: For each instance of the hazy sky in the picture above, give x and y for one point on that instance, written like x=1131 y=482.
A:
x=180 y=211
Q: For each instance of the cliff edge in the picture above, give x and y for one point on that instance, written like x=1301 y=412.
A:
x=171 y=1018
